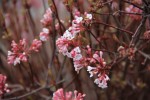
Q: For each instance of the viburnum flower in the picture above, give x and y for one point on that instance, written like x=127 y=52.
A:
x=76 y=54
x=99 y=68
x=3 y=85
x=68 y=35
x=20 y=52
x=77 y=59
x=36 y=44
x=47 y=20
x=99 y=58
x=44 y=35
x=62 y=44
x=92 y=70
x=88 y=17
x=78 y=64
x=101 y=81
x=61 y=95
x=17 y=54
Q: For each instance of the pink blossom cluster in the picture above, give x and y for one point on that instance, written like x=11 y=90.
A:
x=20 y=52
x=97 y=67
x=61 y=95
x=3 y=85
x=47 y=18
x=132 y=9
x=67 y=43
x=68 y=46
x=44 y=35
x=46 y=21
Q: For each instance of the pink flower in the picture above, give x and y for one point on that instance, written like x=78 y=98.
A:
x=77 y=58
x=78 y=64
x=68 y=35
x=77 y=13
x=76 y=53
x=99 y=58
x=101 y=81
x=61 y=95
x=62 y=44
x=78 y=96
x=88 y=17
x=44 y=35
x=3 y=85
x=18 y=52
x=47 y=20
x=18 y=47
x=36 y=44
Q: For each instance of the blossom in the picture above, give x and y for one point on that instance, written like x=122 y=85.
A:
x=18 y=47
x=18 y=52
x=78 y=64
x=76 y=53
x=77 y=58
x=78 y=19
x=68 y=35
x=101 y=81
x=92 y=70
x=44 y=35
x=62 y=44
x=47 y=20
x=3 y=85
x=99 y=58
x=36 y=44
x=61 y=95
x=88 y=17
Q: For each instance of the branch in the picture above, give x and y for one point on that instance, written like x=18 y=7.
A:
x=32 y=92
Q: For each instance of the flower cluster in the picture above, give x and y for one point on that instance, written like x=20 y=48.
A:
x=46 y=21
x=44 y=35
x=99 y=69
x=47 y=18
x=61 y=95
x=20 y=52
x=3 y=85
x=67 y=44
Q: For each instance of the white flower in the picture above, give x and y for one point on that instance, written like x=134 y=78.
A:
x=77 y=50
x=101 y=54
x=16 y=61
x=77 y=57
x=101 y=81
x=95 y=56
x=89 y=16
x=89 y=69
x=68 y=35
x=9 y=53
x=77 y=67
x=45 y=30
x=78 y=19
